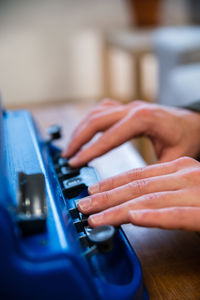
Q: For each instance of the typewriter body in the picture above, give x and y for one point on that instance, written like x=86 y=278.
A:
x=47 y=250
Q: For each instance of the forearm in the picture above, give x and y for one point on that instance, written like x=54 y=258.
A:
x=194 y=107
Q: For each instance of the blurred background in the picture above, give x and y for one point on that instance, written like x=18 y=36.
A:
x=79 y=51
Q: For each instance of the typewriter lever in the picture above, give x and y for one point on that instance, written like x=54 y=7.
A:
x=31 y=211
x=101 y=238
x=54 y=132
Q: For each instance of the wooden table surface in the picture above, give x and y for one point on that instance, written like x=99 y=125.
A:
x=170 y=259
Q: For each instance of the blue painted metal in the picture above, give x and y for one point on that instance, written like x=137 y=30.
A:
x=51 y=265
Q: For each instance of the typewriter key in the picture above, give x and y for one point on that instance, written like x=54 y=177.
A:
x=63 y=161
x=102 y=236
x=74 y=212
x=73 y=187
x=55 y=132
x=68 y=172
x=85 y=242
x=79 y=226
x=84 y=219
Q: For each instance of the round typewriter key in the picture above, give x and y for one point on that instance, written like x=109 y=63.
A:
x=55 y=132
x=102 y=236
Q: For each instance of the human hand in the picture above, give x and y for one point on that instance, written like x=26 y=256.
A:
x=173 y=132
x=163 y=195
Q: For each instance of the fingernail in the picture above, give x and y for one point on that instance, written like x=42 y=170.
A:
x=73 y=161
x=64 y=154
x=68 y=151
x=93 y=189
x=84 y=204
x=96 y=219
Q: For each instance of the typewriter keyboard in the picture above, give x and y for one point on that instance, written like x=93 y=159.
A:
x=74 y=183
x=71 y=180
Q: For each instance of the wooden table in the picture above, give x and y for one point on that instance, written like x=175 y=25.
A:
x=170 y=259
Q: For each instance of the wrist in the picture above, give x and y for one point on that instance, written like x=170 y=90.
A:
x=192 y=130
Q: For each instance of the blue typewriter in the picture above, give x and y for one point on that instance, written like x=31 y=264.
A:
x=47 y=249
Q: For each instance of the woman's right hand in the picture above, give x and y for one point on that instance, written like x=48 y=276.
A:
x=164 y=195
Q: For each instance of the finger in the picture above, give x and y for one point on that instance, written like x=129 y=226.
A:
x=119 y=214
x=132 y=175
x=130 y=191
x=186 y=218
x=98 y=109
x=142 y=173
x=98 y=122
x=113 y=137
x=137 y=121
x=103 y=106
x=131 y=108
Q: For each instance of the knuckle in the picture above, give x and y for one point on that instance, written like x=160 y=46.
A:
x=195 y=173
x=101 y=186
x=193 y=161
x=104 y=184
x=143 y=111
x=137 y=102
x=186 y=161
x=93 y=121
x=111 y=182
x=95 y=201
x=101 y=200
x=130 y=176
x=107 y=101
x=149 y=110
x=182 y=160
x=107 y=196
x=138 y=187
x=135 y=174
x=91 y=113
x=150 y=199
x=192 y=175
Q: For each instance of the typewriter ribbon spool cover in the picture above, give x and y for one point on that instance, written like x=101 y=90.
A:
x=44 y=239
